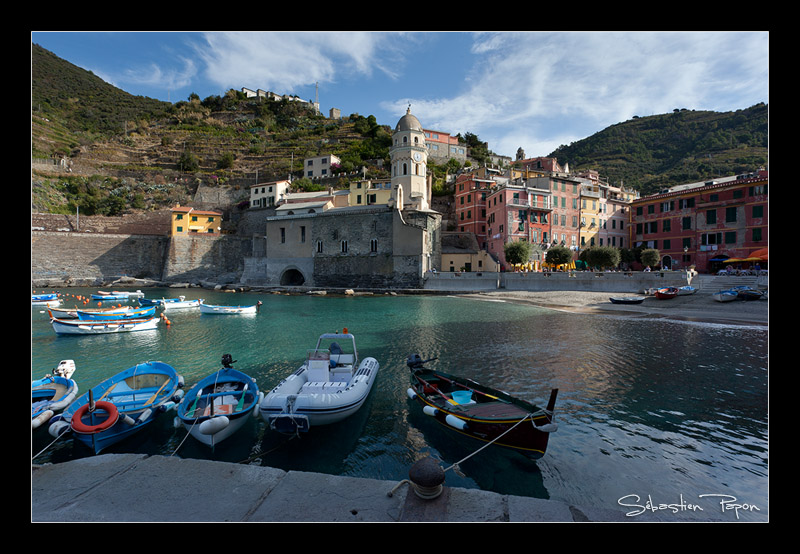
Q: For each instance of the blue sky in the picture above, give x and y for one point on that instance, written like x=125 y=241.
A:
x=530 y=89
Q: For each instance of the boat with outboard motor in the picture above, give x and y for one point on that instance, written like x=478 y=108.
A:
x=331 y=385
x=481 y=412
x=52 y=393
x=219 y=404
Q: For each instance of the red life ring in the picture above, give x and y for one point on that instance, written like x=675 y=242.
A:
x=80 y=427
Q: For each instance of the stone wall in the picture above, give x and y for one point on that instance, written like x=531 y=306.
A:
x=87 y=258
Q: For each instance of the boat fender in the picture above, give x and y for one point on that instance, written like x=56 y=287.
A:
x=257 y=407
x=430 y=410
x=176 y=422
x=58 y=428
x=167 y=406
x=214 y=425
x=178 y=396
x=128 y=420
x=411 y=393
x=80 y=427
x=181 y=382
x=43 y=417
x=453 y=421
x=144 y=416
x=547 y=427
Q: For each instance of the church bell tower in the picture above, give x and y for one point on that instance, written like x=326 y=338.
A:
x=409 y=158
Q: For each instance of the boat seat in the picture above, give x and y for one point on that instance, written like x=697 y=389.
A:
x=320 y=387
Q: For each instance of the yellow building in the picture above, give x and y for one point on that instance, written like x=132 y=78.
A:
x=370 y=193
x=190 y=221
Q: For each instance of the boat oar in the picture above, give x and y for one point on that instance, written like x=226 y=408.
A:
x=424 y=382
x=241 y=400
x=164 y=384
x=469 y=388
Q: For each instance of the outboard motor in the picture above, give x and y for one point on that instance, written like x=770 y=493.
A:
x=414 y=361
x=227 y=360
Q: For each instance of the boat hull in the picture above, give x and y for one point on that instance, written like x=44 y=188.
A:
x=297 y=404
x=138 y=395
x=219 y=405
x=490 y=416
x=49 y=396
x=667 y=293
x=98 y=327
x=627 y=300
x=105 y=315
x=228 y=310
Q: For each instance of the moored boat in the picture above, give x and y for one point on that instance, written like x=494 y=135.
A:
x=667 y=293
x=117 y=295
x=121 y=405
x=72 y=313
x=481 y=412
x=183 y=304
x=49 y=299
x=52 y=393
x=102 y=326
x=159 y=301
x=219 y=405
x=104 y=315
x=626 y=299
x=331 y=385
x=214 y=309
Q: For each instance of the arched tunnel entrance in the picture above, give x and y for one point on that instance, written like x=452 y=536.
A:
x=292 y=278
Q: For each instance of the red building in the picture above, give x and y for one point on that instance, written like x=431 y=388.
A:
x=705 y=224
x=470 y=199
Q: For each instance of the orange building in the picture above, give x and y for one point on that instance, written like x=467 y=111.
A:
x=190 y=221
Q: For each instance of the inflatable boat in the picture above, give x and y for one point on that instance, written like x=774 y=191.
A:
x=331 y=385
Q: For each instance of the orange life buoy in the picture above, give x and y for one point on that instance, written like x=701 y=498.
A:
x=80 y=427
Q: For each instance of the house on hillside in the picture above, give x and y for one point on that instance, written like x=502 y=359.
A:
x=190 y=221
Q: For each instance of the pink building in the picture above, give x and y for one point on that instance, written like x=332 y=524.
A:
x=706 y=224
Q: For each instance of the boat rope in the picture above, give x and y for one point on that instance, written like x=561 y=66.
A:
x=49 y=445
x=455 y=467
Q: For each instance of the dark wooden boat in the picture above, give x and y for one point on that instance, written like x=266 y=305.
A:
x=626 y=299
x=481 y=412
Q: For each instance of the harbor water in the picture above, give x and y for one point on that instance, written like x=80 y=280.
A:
x=653 y=415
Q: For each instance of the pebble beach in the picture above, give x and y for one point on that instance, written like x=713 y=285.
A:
x=698 y=307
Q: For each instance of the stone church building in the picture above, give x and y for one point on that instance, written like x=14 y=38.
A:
x=377 y=246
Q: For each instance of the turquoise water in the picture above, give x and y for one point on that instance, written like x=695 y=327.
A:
x=667 y=411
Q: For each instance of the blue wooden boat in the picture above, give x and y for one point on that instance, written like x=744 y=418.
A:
x=105 y=315
x=52 y=393
x=50 y=299
x=159 y=301
x=219 y=405
x=120 y=406
x=117 y=295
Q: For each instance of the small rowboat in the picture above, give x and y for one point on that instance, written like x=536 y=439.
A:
x=219 y=405
x=183 y=304
x=481 y=412
x=117 y=295
x=79 y=327
x=212 y=309
x=52 y=393
x=72 y=313
x=104 y=315
x=745 y=292
x=667 y=293
x=627 y=299
x=159 y=301
x=49 y=300
x=121 y=405
x=725 y=295
x=686 y=290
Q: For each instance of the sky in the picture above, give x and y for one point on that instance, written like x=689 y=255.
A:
x=533 y=90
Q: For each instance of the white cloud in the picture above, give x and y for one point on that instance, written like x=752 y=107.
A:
x=537 y=83
x=287 y=61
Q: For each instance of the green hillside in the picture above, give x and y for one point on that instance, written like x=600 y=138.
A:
x=651 y=153
x=131 y=152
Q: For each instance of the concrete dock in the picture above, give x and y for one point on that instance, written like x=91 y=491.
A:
x=141 y=488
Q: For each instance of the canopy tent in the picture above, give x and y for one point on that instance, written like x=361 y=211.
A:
x=762 y=254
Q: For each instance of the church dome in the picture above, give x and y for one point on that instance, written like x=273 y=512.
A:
x=408 y=122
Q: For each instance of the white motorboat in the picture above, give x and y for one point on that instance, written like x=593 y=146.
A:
x=212 y=309
x=331 y=385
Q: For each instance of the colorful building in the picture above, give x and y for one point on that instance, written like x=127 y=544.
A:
x=706 y=224
x=267 y=195
x=189 y=221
